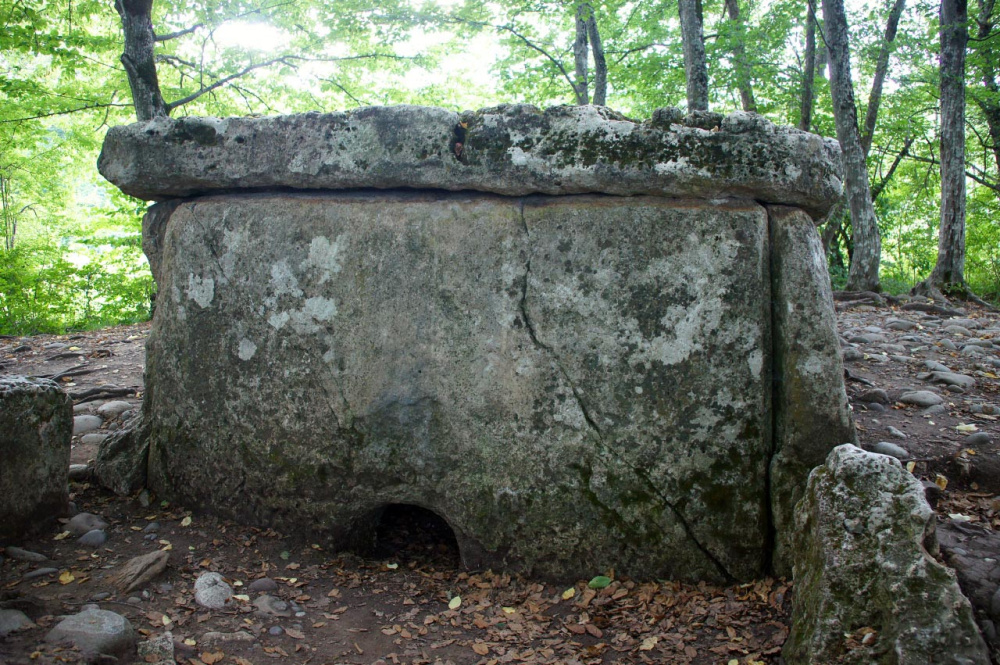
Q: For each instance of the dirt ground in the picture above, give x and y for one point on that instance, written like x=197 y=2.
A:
x=412 y=603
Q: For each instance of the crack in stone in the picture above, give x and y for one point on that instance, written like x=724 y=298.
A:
x=589 y=419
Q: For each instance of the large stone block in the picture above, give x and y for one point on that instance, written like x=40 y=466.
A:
x=36 y=425
x=574 y=383
x=867 y=586
x=511 y=150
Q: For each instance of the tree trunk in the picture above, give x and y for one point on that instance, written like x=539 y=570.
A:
x=600 y=63
x=809 y=69
x=138 y=58
x=580 y=55
x=881 y=69
x=743 y=76
x=863 y=274
x=949 y=271
x=695 y=67
x=989 y=103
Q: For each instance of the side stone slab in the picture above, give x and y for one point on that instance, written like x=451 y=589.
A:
x=574 y=384
x=512 y=150
x=811 y=412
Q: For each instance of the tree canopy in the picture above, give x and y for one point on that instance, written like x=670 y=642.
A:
x=71 y=254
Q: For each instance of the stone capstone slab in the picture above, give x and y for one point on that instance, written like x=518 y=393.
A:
x=36 y=426
x=867 y=586
x=572 y=383
x=512 y=150
x=811 y=413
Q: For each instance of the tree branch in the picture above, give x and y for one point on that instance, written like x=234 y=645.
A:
x=87 y=107
x=179 y=33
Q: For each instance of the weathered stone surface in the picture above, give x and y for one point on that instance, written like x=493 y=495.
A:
x=96 y=633
x=140 y=570
x=36 y=426
x=512 y=150
x=864 y=562
x=212 y=591
x=811 y=414
x=573 y=383
x=123 y=456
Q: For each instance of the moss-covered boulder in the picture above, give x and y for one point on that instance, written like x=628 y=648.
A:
x=867 y=586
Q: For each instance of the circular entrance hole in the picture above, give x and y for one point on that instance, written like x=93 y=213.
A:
x=408 y=533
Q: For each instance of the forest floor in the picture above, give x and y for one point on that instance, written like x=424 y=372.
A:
x=400 y=605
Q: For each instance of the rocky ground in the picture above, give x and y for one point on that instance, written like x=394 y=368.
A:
x=923 y=385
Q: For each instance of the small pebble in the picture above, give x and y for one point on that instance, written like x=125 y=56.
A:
x=275 y=630
x=890 y=449
x=895 y=432
x=152 y=527
x=103 y=595
x=134 y=600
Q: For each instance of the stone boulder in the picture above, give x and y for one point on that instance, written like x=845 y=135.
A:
x=36 y=426
x=512 y=150
x=123 y=456
x=867 y=586
x=97 y=634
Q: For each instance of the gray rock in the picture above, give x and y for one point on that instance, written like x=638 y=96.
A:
x=895 y=349
x=159 y=649
x=957 y=330
x=36 y=419
x=111 y=410
x=881 y=575
x=970 y=324
x=212 y=591
x=948 y=344
x=895 y=432
x=272 y=606
x=94 y=538
x=94 y=438
x=891 y=449
x=86 y=423
x=811 y=410
x=851 y=355
x=275 y=630
x=511 y=150
x=935 y=410
x=100 y=595
x=152 y=527
x=902 y=325
x=214 y=637
x=79 y=472
x=865 y=339
x=972 y=351
x=19 y=554
x=978 y=439
x=263 y=585
x=81 y=523
x=13 y=620
x=39 y=572
x=876 y=395
x=96 y=633
x=123 y=457
x=921 y=398
x=936 y=366
x=561 y=371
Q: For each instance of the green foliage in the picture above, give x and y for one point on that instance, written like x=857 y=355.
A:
x=70 y=255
